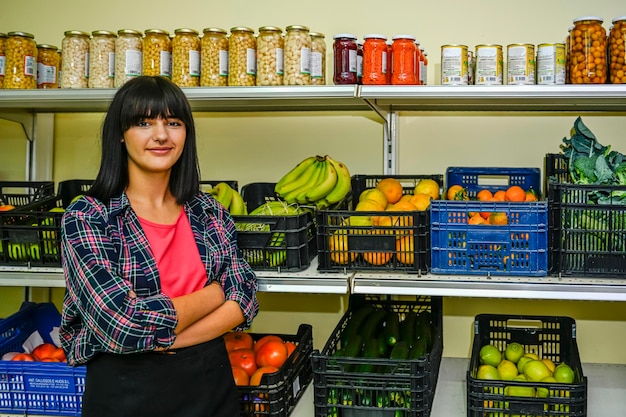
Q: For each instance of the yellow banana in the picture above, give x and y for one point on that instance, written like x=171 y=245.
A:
x=237 y=205
x=222 y=193
x=299 y=183
x=285 y=184
x=324 y=185
x=300 y=198
x=343 y=185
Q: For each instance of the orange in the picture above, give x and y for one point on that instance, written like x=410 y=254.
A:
x=476 y=219
x=427 y=186
x=498 y=218
x=374 y=194
x=392 y=188
x=515 y=193
x=370 y=205
x=420 y=201
x=377 y=258
x=385 y=226
x=530 y=196
x=405 y=250
x=484 y=195
x=402 y=220
x=499 y=195
x=456 y=192
x=338 y=248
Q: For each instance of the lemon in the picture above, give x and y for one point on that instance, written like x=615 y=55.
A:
x=536 y=370
x=519 y=391
x=549 y=364
x=542 y=392
x=487 y=372
x=531 y=355
x=507 y=370
x=490 y=355
x=564 y=374
x=513 y=352
x=522 y=362
x=427 y=186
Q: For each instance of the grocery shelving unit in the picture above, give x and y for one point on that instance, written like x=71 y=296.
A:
x=35 y=109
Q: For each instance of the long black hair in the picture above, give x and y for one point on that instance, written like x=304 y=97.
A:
x=140 y=98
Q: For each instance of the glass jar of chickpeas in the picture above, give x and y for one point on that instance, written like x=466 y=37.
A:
x=102 y=59
x=588 y=47
x=157 y=53
x=3 y=43
x=241 y=57
x=269 y=58
x=75 y=46
x=617 y=43
x=297 y=55
x=47 y=66
x=214 y=58
x=21 y=61
x=186 y=58
x=318 y=59
x=128 y=56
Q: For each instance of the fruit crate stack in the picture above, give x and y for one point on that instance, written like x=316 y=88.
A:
x=544 y=340
x=518 y=246
x=351 y=239
x=359 y=373
x=17 y=194
x=37 y=388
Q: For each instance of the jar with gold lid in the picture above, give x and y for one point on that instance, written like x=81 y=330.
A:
x=157 y=53
x=186 y=58
x=75 y=46
x=269 y=58
x=21 y=61
x=297 y=55
x=214 y=57
x=318 y=58
x=102 y=59
x=3 y=44
x=588 y=46
x=617 y=56
x=128 y=56
x=241 y=57
x=47 y=66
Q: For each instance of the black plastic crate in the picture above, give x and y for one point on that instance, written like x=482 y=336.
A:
x=403 y=246
x=587 y=230
x=70 y=189
x=394 y=388
x=279 y=392
x=22 y=193
x=556 y=169
x=258 y=193
x=546 y=336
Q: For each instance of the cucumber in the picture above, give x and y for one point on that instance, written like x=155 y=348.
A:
x=424 y=328
x=370 y=329
x=352 y=348
x=355 y=321
x=383 y=349
x=418 y=350
x=370 y=351
x=408 y=327
x=400 y=351
x=391 y=332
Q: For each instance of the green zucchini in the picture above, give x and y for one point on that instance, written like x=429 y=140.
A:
x=352 y=348
x=391 y=332
x=408 y=327
x=424 y=329
x=370 y=329
x=400 y=351
x=418 y=350
x=370 y=351
x=355 y=321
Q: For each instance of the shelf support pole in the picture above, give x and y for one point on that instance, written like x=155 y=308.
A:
x=390 y=136
x=40 y=154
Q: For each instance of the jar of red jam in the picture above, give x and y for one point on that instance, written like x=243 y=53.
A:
x=374 y=59
x=345 y=59
x=403 y=60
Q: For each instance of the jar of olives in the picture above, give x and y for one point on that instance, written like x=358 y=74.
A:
x=617 y=57
x=588 y=47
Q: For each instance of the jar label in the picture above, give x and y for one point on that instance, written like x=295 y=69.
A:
x=223 y=63
x=3 y=60
x=30 y=65
x=305 y=60
x=194 y=63
x=280 y=63
x=384 y=62
x=316 y=65
x=352 y=60
x=86 y=65
x=111 y=65
x=250 y=61
x=165 y=69
x=46 y=74
x=133 y=62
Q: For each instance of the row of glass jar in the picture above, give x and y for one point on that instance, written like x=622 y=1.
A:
x=377 y=61
x=107 y=59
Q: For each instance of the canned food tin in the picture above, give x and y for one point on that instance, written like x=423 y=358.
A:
x=3 y=43
x=551 y=63
x=214 y=58
x=588 y=46
x=75 y=47
x=489 y=63
x=521 y=64
x=102 y=59
x=128 y=56
x=21 y=61
x=617 y=43
x=157 y=53
x=269 y=56
x=186 y=58
x=318 y=59
x=47 y=66
x=241 y=57
x=297 y=56
x=454 y=65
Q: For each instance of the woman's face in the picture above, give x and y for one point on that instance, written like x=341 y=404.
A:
x=154 y=145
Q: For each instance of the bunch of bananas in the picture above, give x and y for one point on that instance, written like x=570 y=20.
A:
x=229 y=198
x=318 y=180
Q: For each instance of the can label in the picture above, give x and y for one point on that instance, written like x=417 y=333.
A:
x=489 y=65
x=454 y=65
x=521 y=64
x=551 y=63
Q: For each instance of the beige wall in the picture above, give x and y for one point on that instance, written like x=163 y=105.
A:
x=261 y=146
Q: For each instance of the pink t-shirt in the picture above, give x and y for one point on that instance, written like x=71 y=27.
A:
x=180 y=268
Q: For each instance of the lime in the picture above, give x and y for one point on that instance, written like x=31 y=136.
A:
x=514 y=351
x=521 y=363
x=490 y=355
x=519 y=391
x=487 y=372
x=507 y=370
x=542 y=392
x=536 y=370
x=564 y=374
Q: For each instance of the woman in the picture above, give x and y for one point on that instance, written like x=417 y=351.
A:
x=154 y=277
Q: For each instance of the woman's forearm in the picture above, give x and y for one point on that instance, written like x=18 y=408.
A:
x=192 y=307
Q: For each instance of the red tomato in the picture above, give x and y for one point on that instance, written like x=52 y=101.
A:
x=272 y=353
x=25 y=357
x=291 y=346
x=255 y=379
x=238 y=340
x=44 y=350
x=59 y=355
x=241 y=376
x=270 y=337
x=243 y=358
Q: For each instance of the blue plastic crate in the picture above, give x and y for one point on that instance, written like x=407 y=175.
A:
x=474 y=179
x=517 y=248
x=44 y=388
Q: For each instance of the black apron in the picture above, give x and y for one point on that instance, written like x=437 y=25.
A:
x=191 y=382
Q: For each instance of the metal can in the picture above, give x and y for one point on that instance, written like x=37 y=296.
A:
x=75 y=47
x=47 y=66
x=186 y=58
x=3 y=44
x=318 y=59
x=241 y=57
x=269 y=56
x=521 y=64
x=345 y=58
x=588 y=46
x=489 y=63
x=551 y=63
x=156 y=53
x=617 y=46
x=128 y=56
x=297 y=55
x=102 y=59
x=374 y=59
x=454 y=65
x=214 y=57
x=21 y=61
